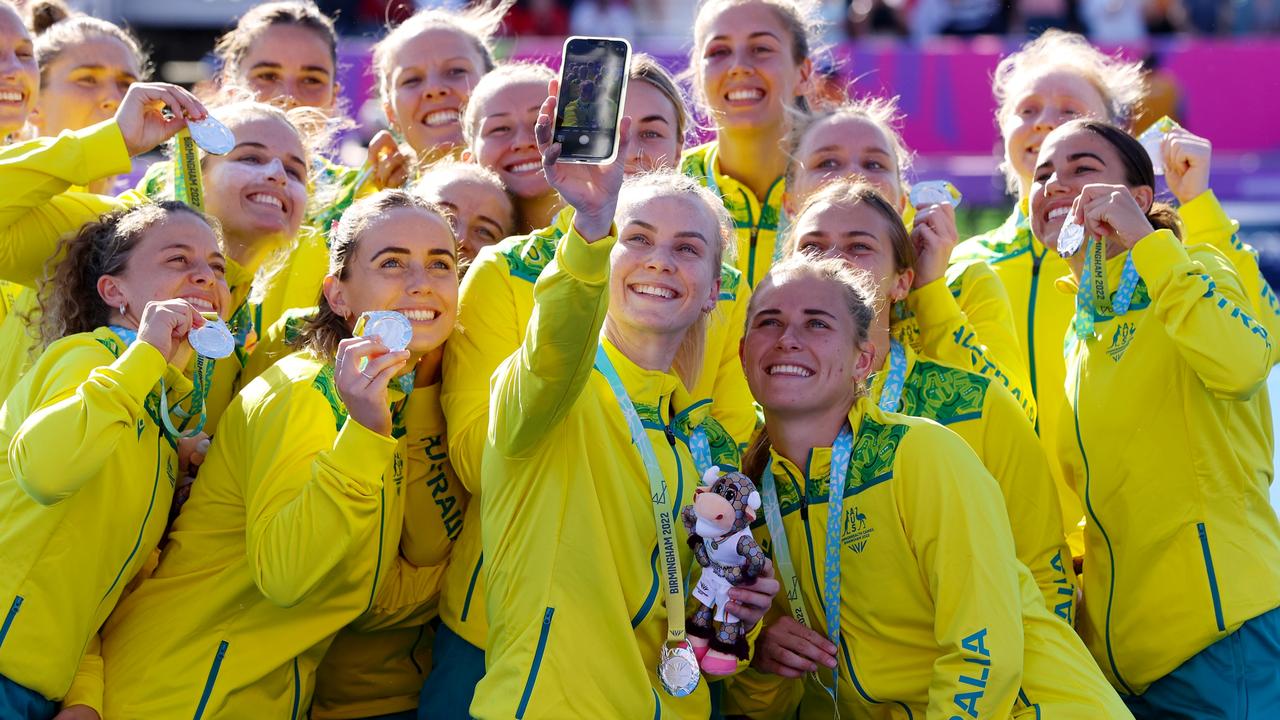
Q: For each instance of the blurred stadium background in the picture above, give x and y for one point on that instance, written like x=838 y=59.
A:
x=1211 y=67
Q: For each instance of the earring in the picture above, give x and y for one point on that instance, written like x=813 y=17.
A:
x=123 y=309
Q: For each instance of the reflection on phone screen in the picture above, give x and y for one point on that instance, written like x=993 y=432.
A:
x=590 y=95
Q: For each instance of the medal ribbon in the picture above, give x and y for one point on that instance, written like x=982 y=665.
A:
x=200 y=388
x=188 y=183
x=1091 y=296
x=841 y=454
x=896 y=379
x=663 y=512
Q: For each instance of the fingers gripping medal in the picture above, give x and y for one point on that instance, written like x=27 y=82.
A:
x=392 y=328
x=213 y=137
x=1070 y=237
x=935 y=192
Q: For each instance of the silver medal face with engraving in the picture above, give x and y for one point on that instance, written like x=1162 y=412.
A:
x=933 y=192
x=212 y=136
x=1070 y=237
x=212 y=340
x=678 y=670
x=392 y=328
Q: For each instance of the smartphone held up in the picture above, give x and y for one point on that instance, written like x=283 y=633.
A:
x=593 y=88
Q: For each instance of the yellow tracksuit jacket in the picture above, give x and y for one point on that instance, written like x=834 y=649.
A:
x=991 y=422
x=85 y=485
x=756 y=224
x=576 y=617
x=39 y=206
x=377 y=665
x=1028 y=270
x=494 y=309
x=963 y=319
x=1168 y=442
x=288 y=536
x=938 y=619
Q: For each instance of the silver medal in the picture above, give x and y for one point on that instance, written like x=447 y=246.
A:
x=212 y=340
x=392 y=328
x=212 y=136
x=933 y=192
x=678 y=670
x=1151 y=140
x=1070 y=237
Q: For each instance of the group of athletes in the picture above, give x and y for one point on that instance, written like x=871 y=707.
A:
x=1023 y=474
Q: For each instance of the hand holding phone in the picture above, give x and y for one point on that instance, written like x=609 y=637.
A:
x=593 y=89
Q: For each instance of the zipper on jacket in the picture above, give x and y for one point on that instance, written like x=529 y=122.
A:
x=1213 y=577
x=297 y=690
x=213 y=676
x=471 y=588
x=382 y=528
x=537 y=661
x=1031 y=325
x=1111 y=554
x=155 y=484
x=8 y=618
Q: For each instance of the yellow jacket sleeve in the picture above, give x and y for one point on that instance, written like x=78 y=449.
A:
x=955 y=521
x=87 y=406
x=1203 y=307
x=408 y=596
x=488 y=332
x=536 y=387
x=732 y=403
x=88 y=685
x=1206 y=222
x=307 y=494
x=36 y=210
x=980 y=336
x=433 y=499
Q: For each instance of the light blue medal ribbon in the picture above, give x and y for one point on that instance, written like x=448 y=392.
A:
x=1128 y=284
x=663 y=515
x=203 y=378
x=891 y=393
x=700 y=449
x=841 y=454
x=128 y=336
x=1091 y=296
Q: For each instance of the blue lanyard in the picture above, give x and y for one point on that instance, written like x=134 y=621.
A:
x=841 y=454
x=891 y=393
x=663 y=515
x=1091 y=296
x=202 y=380
x=128 y=336
x=784 y=222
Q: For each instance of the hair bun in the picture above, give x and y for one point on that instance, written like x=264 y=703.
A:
x=45 y=14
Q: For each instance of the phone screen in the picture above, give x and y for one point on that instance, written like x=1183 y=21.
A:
x=593 y=80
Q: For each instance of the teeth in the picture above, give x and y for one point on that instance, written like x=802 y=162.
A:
x=652 y=290
x=10 y=96
x=789 y=370
x=200 y=303
x=265 y=199
x=421 y=315
x=526 y=167
x=441 y=117
x=746 y=94
x=1058 y=212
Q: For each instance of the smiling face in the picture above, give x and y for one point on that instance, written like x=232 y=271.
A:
x=403 y=261
x=1070 y=158
x=428 y=80
x=258 y=191
x=481 y=214
x=291 y=62
x=859 y=235
x=846 y=147
x=800 y=352
x=504 y=140
x=1040 y=105
x=655 y=143
x=746 y=72
x=84 y=85
x=178 y=257
x=19 y=75
x=664 y=272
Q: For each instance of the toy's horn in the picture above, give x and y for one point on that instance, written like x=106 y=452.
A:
x=753 y=500
x=710 y=477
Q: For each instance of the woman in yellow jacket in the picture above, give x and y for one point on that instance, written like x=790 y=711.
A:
x=1051 y=80
x=1167 y=441
x=851 y=221
x=958 y=314
x=751 y=67
x=294 y=527
x=494 y=310
x=257 y=192
x=893 y=536
x=22 y=75
x=583 y=472
x=89 y=456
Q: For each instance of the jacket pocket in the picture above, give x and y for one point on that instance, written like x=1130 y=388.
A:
x=537 y=662
x=1213 y=578
x=8 y=618
x=213 y=677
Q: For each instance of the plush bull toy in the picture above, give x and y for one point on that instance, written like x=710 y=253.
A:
x=719 y=527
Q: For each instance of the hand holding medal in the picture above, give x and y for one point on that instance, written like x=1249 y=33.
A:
x=365 y=365
x=933 y=228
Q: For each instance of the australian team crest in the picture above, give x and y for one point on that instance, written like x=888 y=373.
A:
x=857 y=530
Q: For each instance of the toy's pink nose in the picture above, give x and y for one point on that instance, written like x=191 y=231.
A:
x=720 y=516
